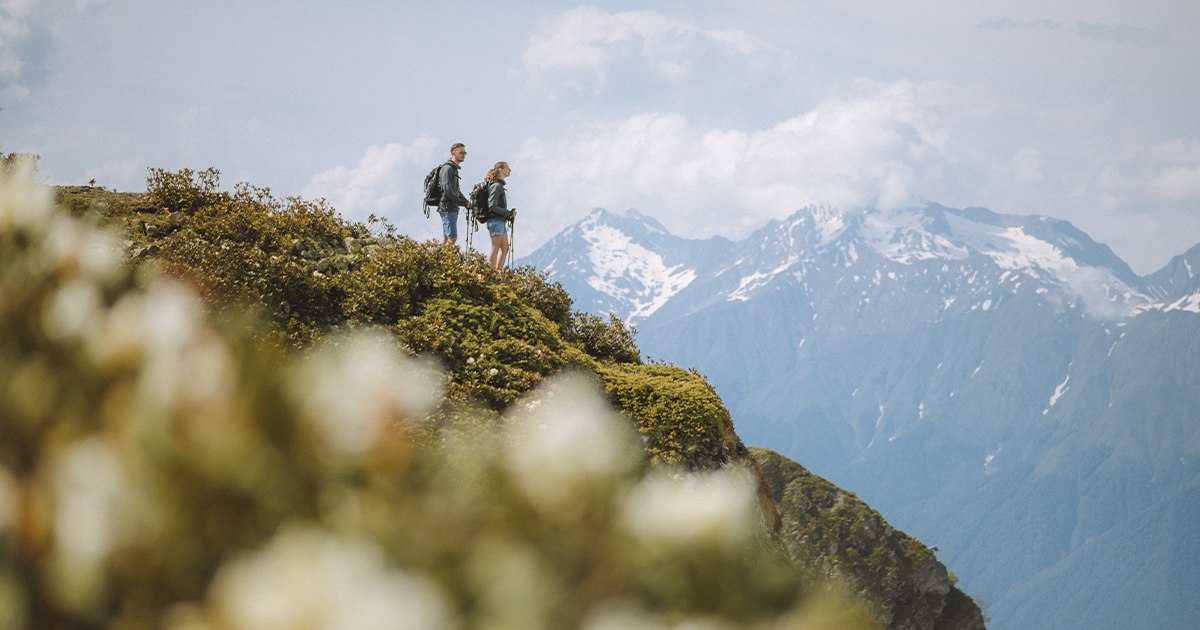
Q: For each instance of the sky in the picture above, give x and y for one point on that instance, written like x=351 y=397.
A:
x=713 y=118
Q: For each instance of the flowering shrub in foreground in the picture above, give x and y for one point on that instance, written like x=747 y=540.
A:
x=161 y=468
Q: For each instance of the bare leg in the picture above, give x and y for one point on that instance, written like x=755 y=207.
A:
x=499 y=251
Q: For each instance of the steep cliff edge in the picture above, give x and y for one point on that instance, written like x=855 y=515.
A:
x=891 y=574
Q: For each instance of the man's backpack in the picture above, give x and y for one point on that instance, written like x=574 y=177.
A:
x=433 y=188
x=479 y=202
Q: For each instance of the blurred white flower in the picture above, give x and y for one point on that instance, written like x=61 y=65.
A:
x=24 y=204
x=81 y=249
x=348 y=388
x=90 y=499
x=74 y=310
x=701 y=508
x=163 y=322
x=306 y=578
x=703 y=624
x=152 y=326
x=514 y=584
x=566 y=436
x=91 y=518
x=622 y=615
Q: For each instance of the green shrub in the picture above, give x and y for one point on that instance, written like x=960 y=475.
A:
x=498 y=332
x=677 y=413
x=185 y=190
x=610 y=340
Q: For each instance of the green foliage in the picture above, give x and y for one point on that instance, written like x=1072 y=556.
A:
x=611 y=340
x=248 y=247
x=11 y=163
x=498 y=332
x=185 y=190
x=548 y=297
x=677 y=413
x=493 y=353
x=161 y=467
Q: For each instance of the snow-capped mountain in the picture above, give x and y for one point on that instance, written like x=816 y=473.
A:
x=1178 y=283
x=629 y=264
x=624 y=263
x=1002 y=386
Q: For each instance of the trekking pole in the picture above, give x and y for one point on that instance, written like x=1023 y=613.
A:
x=512 y=237
x=470 y=226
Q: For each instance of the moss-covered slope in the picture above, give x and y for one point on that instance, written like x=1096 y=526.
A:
x=497 y=334
x=893 y=575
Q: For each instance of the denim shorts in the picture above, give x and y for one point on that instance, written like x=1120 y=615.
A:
x=497 y=227
x=449 y=223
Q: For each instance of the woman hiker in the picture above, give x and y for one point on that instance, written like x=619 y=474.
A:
x=498 y=214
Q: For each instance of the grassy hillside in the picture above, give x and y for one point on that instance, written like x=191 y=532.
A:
x=231 y=450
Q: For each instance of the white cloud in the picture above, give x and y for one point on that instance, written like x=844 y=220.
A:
x=1177 y=183
x=1099 y=31
x=14 y=31
x=881 y=146
x=1166 y=171
x=197 y=116
x=1028 y=164
x=119 y=173
x=582 y=48
x=386 y=178
x=28 y=30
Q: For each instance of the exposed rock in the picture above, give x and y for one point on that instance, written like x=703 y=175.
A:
x=894 y=576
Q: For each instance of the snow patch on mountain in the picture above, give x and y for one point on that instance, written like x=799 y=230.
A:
x=1190 y=303
x=628 y=271
x=1058 y=392
x=827 y=224
x=1185 y=304
x=914 y=235
x=748 y=284
x=903 y=236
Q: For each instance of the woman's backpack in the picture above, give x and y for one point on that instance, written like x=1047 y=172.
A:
x=479 y=202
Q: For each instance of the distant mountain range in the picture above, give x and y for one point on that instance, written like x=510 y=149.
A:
x=1002 y=387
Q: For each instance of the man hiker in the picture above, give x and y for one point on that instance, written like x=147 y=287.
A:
x=452 y=197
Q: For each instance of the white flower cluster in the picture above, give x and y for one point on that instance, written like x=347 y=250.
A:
x=565 y=438
x=699 y=509
x=350 y=388
x=306 y=577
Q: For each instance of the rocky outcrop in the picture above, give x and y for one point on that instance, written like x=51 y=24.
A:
x=892 y=575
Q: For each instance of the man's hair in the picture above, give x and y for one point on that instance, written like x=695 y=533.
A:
x=457 y=145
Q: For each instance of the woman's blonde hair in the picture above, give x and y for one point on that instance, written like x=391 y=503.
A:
x=494 y=174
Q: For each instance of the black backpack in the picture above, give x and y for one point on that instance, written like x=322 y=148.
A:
x=479 y=202
x=433 y=188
